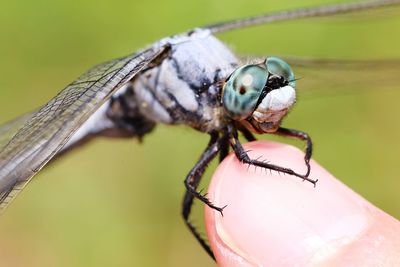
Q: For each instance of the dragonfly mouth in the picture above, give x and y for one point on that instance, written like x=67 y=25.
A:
x=272 y=108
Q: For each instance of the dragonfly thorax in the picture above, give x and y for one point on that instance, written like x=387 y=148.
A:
x=185 y=87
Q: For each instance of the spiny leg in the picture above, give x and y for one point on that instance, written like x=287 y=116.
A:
x=187 y=207
x=244 y=157
x=193 y=178
x=192 y=181
x=301 y=136
x=224 y=150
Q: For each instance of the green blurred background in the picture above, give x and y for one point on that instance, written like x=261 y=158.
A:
x=117 y=202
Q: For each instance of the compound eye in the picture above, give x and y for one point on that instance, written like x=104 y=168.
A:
x=279 y=67
x=242 y=91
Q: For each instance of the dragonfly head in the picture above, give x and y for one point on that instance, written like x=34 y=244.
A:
x=260 y=95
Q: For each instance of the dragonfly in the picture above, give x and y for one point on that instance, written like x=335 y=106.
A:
x=191 y=79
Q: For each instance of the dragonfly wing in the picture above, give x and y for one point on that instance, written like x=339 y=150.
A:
x=9 y=129
x=319 y=11
x=322 y=77
x=46 y=131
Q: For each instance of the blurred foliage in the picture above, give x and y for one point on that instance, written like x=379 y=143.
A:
x=117 y=202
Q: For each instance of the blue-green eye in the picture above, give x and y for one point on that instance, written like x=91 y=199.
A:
x=242 y=90
x=279 y=67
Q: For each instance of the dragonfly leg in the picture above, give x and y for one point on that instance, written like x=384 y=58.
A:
x=242 y=155
x=224 y=148
x=187 y=206
x=301 y=136
x=192 y=181
x=193 y=178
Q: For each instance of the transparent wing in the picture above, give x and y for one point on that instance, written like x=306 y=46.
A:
x=9 y=129
x=319 y=11
x=326 y=77
x=35 y=138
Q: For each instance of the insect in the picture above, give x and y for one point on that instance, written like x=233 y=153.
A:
x=128 y=96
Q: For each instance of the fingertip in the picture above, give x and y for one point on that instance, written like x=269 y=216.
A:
x=279 y=220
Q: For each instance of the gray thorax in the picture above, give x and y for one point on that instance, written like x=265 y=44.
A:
x=185 y=87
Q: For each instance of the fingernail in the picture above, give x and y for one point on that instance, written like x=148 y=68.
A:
x=279 y=220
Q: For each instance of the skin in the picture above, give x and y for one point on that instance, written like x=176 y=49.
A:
x=278 y=220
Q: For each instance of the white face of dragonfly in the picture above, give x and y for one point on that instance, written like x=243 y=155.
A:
x=259 y=96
